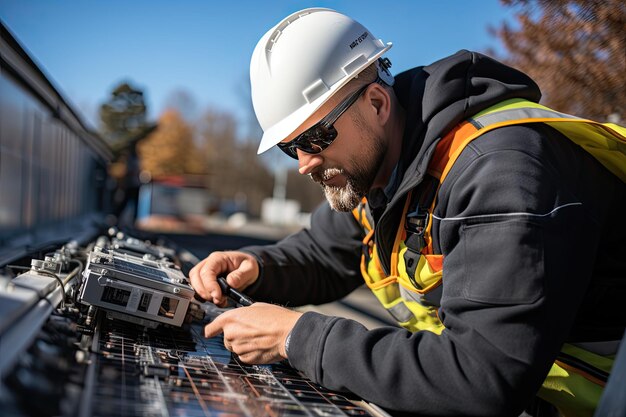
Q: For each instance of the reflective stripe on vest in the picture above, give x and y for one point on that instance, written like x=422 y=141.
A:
x=413 y=301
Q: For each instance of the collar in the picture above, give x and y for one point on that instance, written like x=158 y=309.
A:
x=379 y=197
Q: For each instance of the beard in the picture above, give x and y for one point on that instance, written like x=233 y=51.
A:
x=359 y=178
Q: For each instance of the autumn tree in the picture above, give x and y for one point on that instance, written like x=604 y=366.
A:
x=575 y=51
x=235 y=170
x=170 y=150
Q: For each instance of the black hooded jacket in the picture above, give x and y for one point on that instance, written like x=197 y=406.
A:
x=531 y=232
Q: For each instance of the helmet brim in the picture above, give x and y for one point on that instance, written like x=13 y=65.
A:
x=281 y=130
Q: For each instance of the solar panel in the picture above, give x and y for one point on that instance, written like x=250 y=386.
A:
x=176 y=371
x=89 y=359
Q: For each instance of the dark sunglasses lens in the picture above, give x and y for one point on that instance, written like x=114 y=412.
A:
x=317 y=139
x=313 y=141
x=289 y=149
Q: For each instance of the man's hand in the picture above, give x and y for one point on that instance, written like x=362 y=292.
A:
x=257 y=333
x=241 y=268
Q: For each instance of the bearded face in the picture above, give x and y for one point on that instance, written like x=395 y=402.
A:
x=359 y=173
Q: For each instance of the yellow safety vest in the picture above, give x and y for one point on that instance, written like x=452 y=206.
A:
x=575 y=382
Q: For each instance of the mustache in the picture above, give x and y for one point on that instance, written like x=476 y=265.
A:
x=322 y=175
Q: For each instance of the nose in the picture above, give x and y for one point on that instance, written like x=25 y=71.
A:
x=307 y=162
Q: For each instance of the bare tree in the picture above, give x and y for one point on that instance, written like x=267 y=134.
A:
x=304 y=190
x=184 y=102
x=236 y=173
x=575 y=50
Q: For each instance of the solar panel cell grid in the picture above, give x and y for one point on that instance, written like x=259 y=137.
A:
x=175 y=371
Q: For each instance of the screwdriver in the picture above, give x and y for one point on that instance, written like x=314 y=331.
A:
x=233 y=294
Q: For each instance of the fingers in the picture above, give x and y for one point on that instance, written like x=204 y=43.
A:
x=245 y=274
x=196 y=280
x=215 y=327
x=241 y=270
x=257 y=333
x=248 y=351
x=203 y=277
x=255 y=357
x=217 y=264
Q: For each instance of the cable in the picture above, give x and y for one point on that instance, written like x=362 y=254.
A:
x=81 y=267
x=76 y=270
x=55 y=276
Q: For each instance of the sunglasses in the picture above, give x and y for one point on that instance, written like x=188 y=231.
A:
x=319 y=136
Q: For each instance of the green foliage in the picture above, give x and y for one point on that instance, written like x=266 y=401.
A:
x=123 y=116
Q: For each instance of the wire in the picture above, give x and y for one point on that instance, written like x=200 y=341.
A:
x=76 y=270
x=82 y=265
x=81 y=268
x=55 y=276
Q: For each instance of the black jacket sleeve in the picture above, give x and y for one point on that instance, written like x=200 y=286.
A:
x=313 y=266
x=519 y=222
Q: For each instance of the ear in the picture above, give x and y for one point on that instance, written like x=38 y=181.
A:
x=380 y=103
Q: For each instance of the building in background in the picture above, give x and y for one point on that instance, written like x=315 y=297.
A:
x=53 y=170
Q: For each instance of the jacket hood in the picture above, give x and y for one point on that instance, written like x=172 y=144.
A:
x=436 y=98
x=439 y=96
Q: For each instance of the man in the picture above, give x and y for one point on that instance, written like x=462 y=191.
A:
x=492 y=238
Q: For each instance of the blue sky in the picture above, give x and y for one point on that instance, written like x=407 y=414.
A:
x=203 y=48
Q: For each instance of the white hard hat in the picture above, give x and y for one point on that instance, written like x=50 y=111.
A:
x=301 y=62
